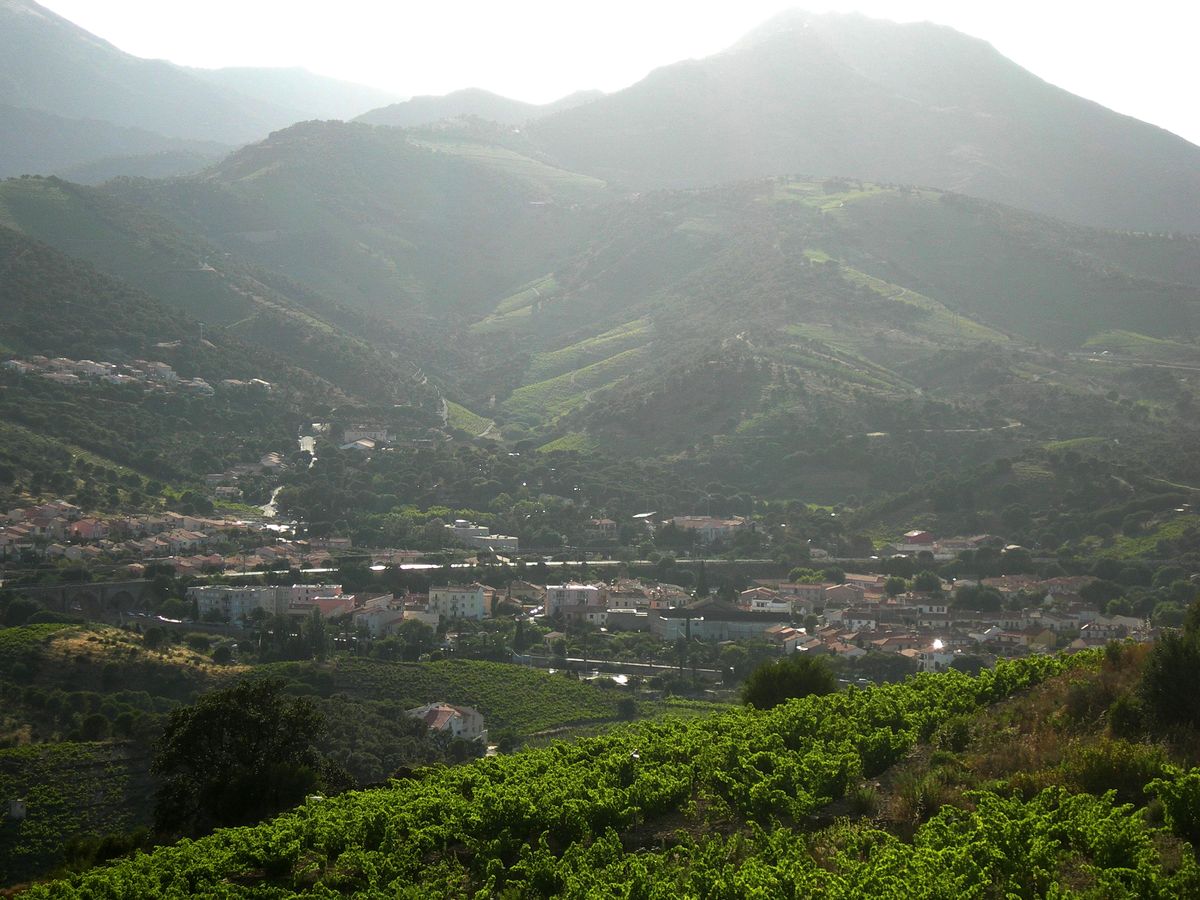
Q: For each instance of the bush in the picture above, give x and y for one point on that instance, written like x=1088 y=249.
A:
x=198 y=641
x=953 y=734
x=1127 y=717
x=627 y=708
x=1170 y=686
x=1115 y=765
x=794 y=676
x=1179 y=794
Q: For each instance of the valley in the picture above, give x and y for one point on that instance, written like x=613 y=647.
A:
x=770 y=478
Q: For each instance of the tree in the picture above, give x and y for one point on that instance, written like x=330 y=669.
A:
x=894 y=586
x=1170 y=686
x=796 y=675
x=927 y=582
x=316 y=634
x=237 y=756
x=19 y=610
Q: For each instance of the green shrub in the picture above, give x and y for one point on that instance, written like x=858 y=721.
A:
x=1179 y=794
x=1115 y=765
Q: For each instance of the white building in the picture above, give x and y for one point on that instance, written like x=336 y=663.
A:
x=235 y=603
x=299 y=593
x=365 y=433
x=560 y=597
x=380 y=616
x=460 y=721
x=709 y=529
x=457 y=601
x=480 y=536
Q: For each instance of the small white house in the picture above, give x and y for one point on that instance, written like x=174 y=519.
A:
x=459 y=721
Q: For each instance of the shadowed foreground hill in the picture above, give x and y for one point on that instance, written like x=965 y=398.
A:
x=679 y=807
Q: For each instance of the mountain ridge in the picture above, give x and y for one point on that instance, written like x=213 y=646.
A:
x=914 y=104
x=428 y=109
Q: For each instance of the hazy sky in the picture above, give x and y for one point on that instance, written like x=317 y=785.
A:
x=1137 y=58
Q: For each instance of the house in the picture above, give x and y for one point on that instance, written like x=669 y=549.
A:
x=785 y=637
x=895 y=643
x=372 y=433
x=859 y=619
x=480 y=536
x=526 y=591
x=235 y=603
x=810 y=594
x=87 y=530
x=380 y=616
x=915 y=542
x=935 y=657
x=843 y=650
x=843 y=595
x=560 y=597
x=595 y=615
x=327 y=607
x=762 y=599
x=460 y=721
x=455 y=601
x=627 y=619
x=708 y=529
x=711 y=619
x=1033 y=638
x=602 y=529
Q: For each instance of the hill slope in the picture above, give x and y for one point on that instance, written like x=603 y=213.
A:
x=470 y=102
x=49 y=64
x=681 y=806
x=311 y=96
x=915 y=104
x=414 y=227
x=41 y=143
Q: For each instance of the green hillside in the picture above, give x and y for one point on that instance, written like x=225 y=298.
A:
x=415 y=228
x=81 y=707
x=737 y=802
x=184 y=272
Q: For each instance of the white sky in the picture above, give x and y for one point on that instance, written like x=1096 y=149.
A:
x=1139 y=59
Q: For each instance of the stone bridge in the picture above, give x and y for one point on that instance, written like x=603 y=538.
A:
x=100 y=600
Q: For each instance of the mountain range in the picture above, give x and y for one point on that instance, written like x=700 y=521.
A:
x=835 y=256
x=89 y=101
x=471 y=102
x=921 y=104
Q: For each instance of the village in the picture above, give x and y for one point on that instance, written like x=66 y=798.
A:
x=149 y=375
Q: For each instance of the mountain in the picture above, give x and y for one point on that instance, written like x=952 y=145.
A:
x=418 y=228
x=49 y=64
x=779 y=312
x=357 y=354
x=312 y=96
x=55 y=306
x=844 y=95
x=787 y=335
x=41 y=143
x=471 y=102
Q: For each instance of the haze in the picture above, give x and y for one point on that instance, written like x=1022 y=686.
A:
x=1140 y=63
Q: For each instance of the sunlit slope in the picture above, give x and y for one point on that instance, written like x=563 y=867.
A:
x=417 y=229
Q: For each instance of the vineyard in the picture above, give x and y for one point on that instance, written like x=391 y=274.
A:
x=721 y=805
x=524 y=699
x=69 y=789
